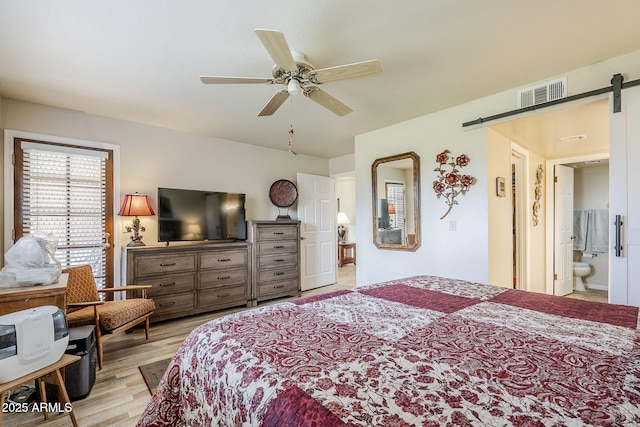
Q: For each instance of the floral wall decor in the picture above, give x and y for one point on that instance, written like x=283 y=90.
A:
x=537 y=194
x=450 y=183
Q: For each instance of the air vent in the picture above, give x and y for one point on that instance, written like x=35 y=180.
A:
x=549 y=91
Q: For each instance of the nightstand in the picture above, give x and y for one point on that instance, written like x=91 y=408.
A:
x=346 y=254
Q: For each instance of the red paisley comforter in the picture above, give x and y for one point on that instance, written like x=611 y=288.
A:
x=423 y=351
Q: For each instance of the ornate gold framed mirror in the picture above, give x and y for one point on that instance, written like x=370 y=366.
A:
x=396 y=202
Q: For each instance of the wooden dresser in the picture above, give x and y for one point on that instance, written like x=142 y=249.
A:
x=191 y=279
x=276 y=258
x=24 y=297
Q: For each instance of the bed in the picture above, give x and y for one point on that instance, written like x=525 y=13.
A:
x=421 y=351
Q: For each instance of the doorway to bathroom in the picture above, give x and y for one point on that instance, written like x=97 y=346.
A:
x=570 y=134
x=581 y=212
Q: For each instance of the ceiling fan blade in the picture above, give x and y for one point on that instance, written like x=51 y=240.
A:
x=278 y=49
x=233 y=80
x=274 y=103
x=327 y=101
x=349 y=71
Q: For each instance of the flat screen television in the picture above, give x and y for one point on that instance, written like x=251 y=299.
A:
x=195 y=215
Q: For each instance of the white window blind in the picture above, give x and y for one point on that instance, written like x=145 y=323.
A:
x=396 y=194
x=64 y=193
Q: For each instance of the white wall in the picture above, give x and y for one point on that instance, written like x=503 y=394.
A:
x=154 y=157
x=459 y=254
x=500 y=244
x=462 y=253
x=537 y=234
x=342 y=165
x=346 y=192
x=343 y=170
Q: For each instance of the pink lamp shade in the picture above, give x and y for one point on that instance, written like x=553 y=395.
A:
x=392 y=209
x=136 y=205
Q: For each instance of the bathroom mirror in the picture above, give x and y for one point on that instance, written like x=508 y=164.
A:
x=396 y=202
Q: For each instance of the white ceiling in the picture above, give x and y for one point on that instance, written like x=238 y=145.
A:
x=544 y=133
x=141 y=60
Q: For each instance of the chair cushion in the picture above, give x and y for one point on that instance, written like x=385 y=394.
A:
x=113 y=314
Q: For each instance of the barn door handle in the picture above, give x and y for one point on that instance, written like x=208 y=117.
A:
x=618 y=246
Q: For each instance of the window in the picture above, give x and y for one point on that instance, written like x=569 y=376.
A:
x=67 y=191
x=396 y=196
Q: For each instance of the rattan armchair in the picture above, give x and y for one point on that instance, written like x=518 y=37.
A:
x=84 y=307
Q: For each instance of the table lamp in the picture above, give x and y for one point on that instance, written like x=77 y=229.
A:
x=136 y=205
x=342 y=220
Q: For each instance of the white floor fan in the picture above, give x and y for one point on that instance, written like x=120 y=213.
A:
x=292 y=70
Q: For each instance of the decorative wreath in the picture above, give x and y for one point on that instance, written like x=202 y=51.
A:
x=451 y=183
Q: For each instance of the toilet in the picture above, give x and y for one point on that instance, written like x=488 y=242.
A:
x=580 y=270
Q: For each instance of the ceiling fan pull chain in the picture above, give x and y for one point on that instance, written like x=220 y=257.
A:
x=291 y=141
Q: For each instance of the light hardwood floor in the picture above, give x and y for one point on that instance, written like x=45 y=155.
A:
x=119 y=395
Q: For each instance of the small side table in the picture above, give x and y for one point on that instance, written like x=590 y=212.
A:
x=51 y=374
x=346 y=254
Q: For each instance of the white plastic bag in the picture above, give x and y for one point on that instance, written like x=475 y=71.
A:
x=31 y=261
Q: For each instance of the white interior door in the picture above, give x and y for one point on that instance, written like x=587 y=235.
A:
x=563 y=231
x=317 y=213
x=624 y=187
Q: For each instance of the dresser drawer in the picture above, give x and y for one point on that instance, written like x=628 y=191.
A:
x=277 y=233
x=280 y=260
x=176 y=304
x=221 y=278
x=223 y=296
x=169 y=284
x=275 y=247
x=269 y=275
x=278 y=287
x=224 y=259
x=164 y=264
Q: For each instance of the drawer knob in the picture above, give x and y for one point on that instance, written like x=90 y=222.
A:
x=167 y=264
x=278 y=260
x=278 y=286
x=278 y=233
x=224 y=259
x=223 y=295
x=279 y=273
x=278 y=247
x=167 y=284
x=224 y=277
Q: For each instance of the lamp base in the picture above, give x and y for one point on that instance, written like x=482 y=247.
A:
x=341 y=232
x=136 y=239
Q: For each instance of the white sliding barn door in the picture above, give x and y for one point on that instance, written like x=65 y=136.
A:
x=563 y=231
x=317 y=213
x=624 y=190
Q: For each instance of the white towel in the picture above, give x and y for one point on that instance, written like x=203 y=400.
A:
x=580 y=224
x=599 y=230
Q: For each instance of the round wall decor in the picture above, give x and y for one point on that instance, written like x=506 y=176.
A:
x=283 y=193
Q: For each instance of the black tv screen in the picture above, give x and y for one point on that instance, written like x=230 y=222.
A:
x=195 y=215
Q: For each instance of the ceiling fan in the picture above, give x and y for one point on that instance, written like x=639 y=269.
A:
x=292 y=70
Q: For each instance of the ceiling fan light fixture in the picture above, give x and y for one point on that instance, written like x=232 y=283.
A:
x=293 y=87
x=292 y=70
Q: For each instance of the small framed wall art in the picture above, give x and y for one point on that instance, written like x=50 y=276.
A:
x=500 y=187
